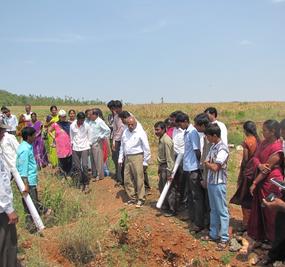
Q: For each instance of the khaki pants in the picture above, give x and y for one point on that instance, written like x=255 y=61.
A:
x=134 y=177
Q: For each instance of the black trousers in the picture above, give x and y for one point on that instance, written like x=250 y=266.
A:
x=65 y=164
x=196 y=198
x=80 y=166
x=8 y=242
x=119 y=176
x=277 y=252
x=39 y=206
x=170 y=201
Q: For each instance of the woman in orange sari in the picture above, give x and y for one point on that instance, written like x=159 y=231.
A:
x=242 y=196
x=268 y=161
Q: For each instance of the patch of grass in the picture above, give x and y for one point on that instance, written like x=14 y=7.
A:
x=226 y=258
x=78 y=243
x=121 y=229
x=64 y=208
x=35 y=258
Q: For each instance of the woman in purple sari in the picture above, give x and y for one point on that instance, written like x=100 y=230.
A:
x=38 y=145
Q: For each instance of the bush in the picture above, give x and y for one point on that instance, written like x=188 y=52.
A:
x=78 y=244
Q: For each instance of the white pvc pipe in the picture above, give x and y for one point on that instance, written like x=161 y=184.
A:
x=168 y=183
x=33 y=211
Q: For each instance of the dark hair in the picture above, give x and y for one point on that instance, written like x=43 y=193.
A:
x=182 y=117
x=52 y=107
x=202 y=119
x=28 y=105
x=160 y=124
x=213 y=129
x=71 y=110
x=34 y=113
x=26 y=132
x=80 y=116
x=118 y=104
x=167 y=122
x=98 y=112
x=174 y=113
x=3 y=108
x=212 y=111
x=273 y=125
x=110 y=104
x=282 y=124
x=87 y=110
x=124 y=114
x=250 y=127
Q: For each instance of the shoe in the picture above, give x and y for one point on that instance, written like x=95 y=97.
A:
x=169 y=214
x=130 y=202
x=87 y=189
x=222 y=245
x=209 y=238
x=139 y=204
x=196 y=229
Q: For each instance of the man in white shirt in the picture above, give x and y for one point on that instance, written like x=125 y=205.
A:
x=124 y=115
x=135 y=152
x=213 y=114
x=178 y=142
x=8 y=219
x=99 y=132
x=28 y=113
x=10 y=120
x=8 y=147
x=80 y=140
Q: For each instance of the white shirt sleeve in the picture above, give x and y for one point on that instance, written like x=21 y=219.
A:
x=146 y=148
x=222 y=157
x=6 y=196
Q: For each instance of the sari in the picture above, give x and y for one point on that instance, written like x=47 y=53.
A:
x=51 y=144
x=261 y=224
x=39 y=145
x=242 y=196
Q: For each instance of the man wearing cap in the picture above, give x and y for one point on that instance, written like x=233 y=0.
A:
x=8 y=219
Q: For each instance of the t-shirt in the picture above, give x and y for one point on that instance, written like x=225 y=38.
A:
x=192 y=143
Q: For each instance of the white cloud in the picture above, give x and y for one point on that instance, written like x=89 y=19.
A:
x=155 y=27
x=246 y=42
x=66 y=38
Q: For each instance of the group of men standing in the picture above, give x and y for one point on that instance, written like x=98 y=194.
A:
x=200 y=182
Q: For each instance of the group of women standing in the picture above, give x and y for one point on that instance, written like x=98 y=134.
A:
x=52 y=144
x=262 y=161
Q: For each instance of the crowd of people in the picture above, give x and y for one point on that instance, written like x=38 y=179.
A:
x=79 y=145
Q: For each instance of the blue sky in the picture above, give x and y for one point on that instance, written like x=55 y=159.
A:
x=142 y=50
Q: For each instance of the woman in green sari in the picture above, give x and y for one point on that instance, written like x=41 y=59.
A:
x=52 y=118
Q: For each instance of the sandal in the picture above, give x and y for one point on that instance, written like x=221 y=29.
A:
x=222 y=245
x=209 y=238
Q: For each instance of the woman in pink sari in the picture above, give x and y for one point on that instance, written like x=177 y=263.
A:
x=62 y=142
x=268 y=162
x=38 y=145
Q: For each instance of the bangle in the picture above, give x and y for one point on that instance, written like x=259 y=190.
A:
x=254 y=182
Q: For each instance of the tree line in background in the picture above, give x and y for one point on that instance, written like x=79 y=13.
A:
x=9 y=99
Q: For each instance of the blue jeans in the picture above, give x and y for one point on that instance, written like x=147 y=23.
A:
x=219 y=216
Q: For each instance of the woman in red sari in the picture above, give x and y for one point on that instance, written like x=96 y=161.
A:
x=242 y=196
x=268 y=161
